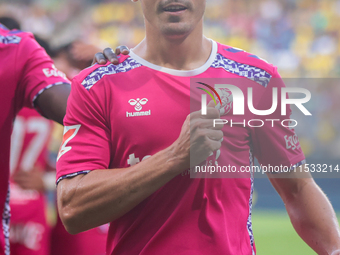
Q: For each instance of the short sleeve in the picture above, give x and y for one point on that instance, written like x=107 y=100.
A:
x=37 y=70
x=276 y=143
x=86 y=140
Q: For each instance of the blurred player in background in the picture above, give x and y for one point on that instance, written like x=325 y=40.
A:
x=126 y=150
x=28 y=78
x=30 y=232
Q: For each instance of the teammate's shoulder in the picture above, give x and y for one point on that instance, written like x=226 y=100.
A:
x=98 y=73
x=242 y=57
x=13 y=36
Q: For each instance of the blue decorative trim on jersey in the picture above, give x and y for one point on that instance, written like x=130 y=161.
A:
x=3 y=27
x=127 y=65
x=15 y=31
x=253 y=56
x=298 y=164
x=233 y=50
x=253 y=73
x=10 y=39
x=47 y=87
x=72 y=175
x=249 y=221
x=6 y=216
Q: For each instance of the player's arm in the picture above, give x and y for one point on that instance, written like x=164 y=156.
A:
x=52 y=102
x=46 y=88
x=309 y=210
x=101 y=196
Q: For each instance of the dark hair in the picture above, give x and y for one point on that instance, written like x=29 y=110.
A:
x=43 y=43
x=10 y=23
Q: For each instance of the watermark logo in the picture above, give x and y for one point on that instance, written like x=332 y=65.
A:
x=239 y=99
x=224 y=96
x=232 y=98
x=204 y=96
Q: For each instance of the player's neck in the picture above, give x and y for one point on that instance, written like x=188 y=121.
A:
x=185 y=53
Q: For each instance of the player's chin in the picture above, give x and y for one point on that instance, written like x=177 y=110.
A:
x=176 y=30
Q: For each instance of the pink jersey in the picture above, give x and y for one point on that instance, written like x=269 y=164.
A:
x=119 y=115
x=25 y=71
x=91 y=242
x=30 y=137
x=30 y=233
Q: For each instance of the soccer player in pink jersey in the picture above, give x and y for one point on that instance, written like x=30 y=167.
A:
x=28 y=78
x=30 y=231
x=129 y=135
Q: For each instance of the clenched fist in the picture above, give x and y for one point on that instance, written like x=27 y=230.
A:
x=198 y=138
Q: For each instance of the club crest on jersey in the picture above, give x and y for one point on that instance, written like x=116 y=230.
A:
x=138 y=104
x=227 y=101
x=69 y=133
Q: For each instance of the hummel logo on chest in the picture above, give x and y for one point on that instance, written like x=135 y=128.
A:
x=138 y=104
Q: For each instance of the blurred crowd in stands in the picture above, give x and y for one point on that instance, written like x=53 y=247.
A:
x=300 y=37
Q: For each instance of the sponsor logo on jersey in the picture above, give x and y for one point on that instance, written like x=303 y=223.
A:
x=292 y=142
x=69 y=133
x=53 y=72
x=132 y=160
x=138 y=104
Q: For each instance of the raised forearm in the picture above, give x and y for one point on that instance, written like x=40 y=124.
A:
x=314 y=219
x=102 y=196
